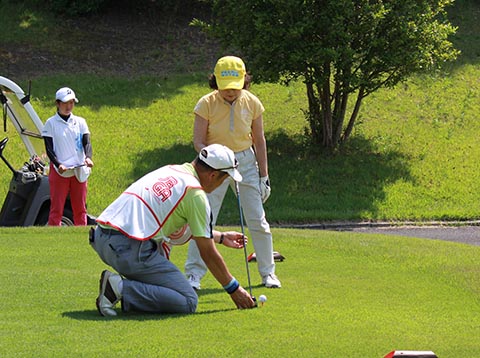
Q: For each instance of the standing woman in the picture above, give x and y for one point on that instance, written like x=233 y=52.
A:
x=67 y=141
x=232 y=116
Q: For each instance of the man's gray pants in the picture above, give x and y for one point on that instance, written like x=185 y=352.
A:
x=151 y=282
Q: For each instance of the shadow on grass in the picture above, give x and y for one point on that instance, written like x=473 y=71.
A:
x=209 y=291
x=93 y=315
x=95 y=92
x=150 y=160
x=312 y=185
x=307 y=185
x=464 y=14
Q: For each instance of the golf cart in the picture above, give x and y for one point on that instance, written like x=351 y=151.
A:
x=28 y=199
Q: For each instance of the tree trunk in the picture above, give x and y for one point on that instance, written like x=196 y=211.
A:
x=353 y=117
x=326 y=108
x=313 y=115
x=339 y=118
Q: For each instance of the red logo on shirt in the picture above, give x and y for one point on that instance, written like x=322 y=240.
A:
x=162 y=188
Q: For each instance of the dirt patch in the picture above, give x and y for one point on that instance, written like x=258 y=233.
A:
x=118 y=43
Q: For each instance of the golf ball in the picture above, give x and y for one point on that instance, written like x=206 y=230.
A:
x=262 y=298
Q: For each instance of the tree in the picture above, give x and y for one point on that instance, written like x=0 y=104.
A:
x=339 y=48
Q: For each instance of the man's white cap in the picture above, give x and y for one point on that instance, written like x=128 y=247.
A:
x=221 y=158
x=66 y=94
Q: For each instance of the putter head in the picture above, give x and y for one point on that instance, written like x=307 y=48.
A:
x=276 y=257
x=255 y=300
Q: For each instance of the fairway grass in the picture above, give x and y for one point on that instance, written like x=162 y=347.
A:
x=344 y=295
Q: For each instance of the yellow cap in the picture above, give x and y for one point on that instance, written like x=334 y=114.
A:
x=230 y=73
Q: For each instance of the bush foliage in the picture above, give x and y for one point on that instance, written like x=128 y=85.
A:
x=342 y=50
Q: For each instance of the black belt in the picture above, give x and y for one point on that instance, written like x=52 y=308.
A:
x=109 y=231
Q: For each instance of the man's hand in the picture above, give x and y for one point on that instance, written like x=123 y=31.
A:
x=265 y=189
x=219 y=270
x=233 y=239
x=242 y=299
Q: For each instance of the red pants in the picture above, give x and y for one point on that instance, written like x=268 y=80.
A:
x=60 y=187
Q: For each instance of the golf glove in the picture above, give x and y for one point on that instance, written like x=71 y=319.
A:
x=265 y=189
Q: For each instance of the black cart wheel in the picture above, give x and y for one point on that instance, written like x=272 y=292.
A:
x=42 y=219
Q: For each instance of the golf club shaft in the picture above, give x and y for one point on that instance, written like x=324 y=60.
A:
x=76 y=166
x=243 y=237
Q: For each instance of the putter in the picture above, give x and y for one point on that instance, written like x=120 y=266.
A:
x=76 y=166
x=242 y=226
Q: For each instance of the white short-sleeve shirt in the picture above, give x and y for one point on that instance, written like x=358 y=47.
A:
x=67 y=138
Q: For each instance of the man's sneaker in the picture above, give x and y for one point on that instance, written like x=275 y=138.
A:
x=194 y=281
x=271 y=281
x=109 y=293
